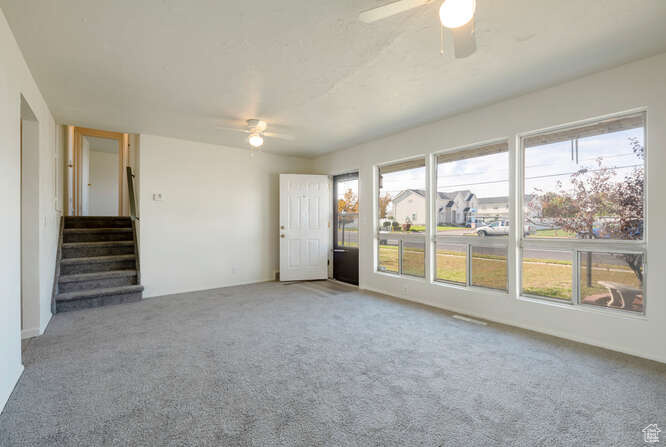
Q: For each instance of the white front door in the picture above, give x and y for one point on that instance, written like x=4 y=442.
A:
x=304 y=213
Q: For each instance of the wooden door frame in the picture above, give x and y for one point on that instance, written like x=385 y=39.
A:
x=123 y=140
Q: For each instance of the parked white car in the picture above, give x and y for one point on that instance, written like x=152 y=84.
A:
x=501 y=228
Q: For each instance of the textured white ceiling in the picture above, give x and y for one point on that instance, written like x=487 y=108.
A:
x=309 y=67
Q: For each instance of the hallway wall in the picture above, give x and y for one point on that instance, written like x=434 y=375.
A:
x=16 y=80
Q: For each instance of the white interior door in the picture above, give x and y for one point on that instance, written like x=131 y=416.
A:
x=304 y=213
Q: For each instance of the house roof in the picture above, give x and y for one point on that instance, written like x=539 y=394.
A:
x=500 y=200
x=453 y=194
x=405 y=192
x=450 y=196
x=493 y=200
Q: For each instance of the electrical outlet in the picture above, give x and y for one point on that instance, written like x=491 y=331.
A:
x=157 y=196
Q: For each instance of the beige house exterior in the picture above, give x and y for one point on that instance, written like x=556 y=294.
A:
x=453 y=208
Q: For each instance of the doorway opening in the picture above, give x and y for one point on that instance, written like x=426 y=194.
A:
x=345 y=228
x=29 y=175
x=98 y=177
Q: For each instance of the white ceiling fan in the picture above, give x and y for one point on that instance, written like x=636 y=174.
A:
x=456 y=17
x=257 y=130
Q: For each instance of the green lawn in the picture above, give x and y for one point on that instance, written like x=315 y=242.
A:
x=554 y=233
x=542 y=277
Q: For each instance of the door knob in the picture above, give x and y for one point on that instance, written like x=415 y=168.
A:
x=281 y=227
x=282 y=235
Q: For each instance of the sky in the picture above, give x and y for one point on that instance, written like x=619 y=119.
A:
x=546 y=165
x=345 y=186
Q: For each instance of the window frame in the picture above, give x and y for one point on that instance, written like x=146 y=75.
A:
x=578 y=286
x=400 y=236
x=469 y=241
x=353 y=175
x=578 y=246
x=516 y=241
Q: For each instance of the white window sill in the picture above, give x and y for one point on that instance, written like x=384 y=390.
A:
x=617 y=313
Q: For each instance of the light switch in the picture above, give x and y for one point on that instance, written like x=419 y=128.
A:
x=157 y=196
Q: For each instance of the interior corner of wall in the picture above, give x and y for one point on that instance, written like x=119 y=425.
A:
x=45 y=321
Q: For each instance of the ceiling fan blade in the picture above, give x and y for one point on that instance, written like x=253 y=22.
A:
x=382 y=12
x=460 y=42
x=233 y=129
x=279 y=136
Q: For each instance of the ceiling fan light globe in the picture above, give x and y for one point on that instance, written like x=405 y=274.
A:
x=256 y=140
x=456 y=13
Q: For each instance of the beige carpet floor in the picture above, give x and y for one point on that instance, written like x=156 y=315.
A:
x=318 y=364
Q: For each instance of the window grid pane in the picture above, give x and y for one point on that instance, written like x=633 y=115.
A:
x=547 y=273
x=612 y=280
x=389 y=256
x=451 y=263
x=586 y=182
x=489 y=267
x=413 y=258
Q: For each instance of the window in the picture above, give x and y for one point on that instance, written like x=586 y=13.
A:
x=612 y=280
x=583 y=214
x=472 y=216
x=401 y=218
x=346 y=212
x=548 y=273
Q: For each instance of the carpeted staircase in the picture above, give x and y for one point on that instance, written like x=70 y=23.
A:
x=98 y=263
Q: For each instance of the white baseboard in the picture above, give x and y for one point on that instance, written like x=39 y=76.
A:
x=233 y=284
x=557 y=334
x=32 y=332
x=45 y=324
x=9 y=388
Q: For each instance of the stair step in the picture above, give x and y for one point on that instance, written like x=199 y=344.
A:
x=86 y=299
x=98 y=259
x=97 y=230
x=95 y=293
x=97 y=280
x=77 y=277
x=96 y=244
x=96 y=264
x=97 y=222
x=99 y=248
x=97 y=234
x=97 y=217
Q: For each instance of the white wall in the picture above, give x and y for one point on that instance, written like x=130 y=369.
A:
x=639 y=84
x=103 y=192
x=217 y=224
x=30 y=307
x=15 y=79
